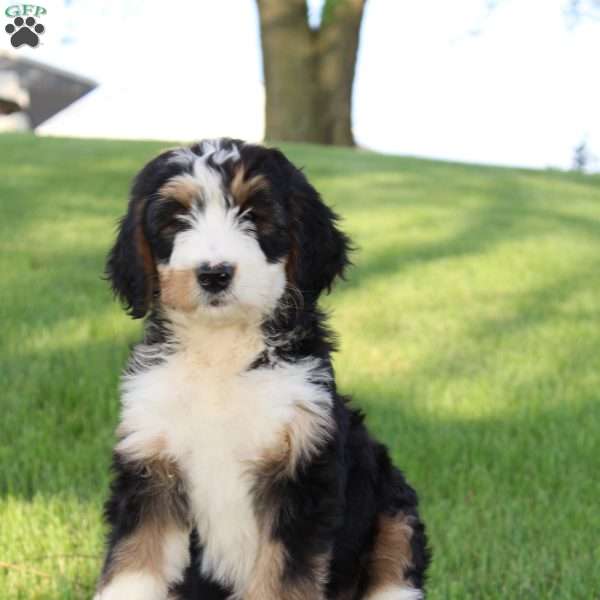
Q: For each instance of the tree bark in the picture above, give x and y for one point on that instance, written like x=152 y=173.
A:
x=338 y=46
x=289 y=63
x=309 y=74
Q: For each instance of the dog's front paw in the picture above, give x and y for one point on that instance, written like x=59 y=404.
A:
x=133 y=586
x=397 y=593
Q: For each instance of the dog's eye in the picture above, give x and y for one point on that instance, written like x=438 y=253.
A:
x=170 y=229
x=168 y=218
x=247 y=216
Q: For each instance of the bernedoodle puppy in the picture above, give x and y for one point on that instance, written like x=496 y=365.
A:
x=240 y=472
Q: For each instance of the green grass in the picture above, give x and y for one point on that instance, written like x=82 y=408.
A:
x=469 y=327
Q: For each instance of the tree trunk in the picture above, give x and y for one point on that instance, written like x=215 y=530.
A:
x=289 y=62
x=338 y=46
x=309 y=73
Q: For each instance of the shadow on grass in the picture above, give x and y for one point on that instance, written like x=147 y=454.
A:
x=48 y=289
x=497 y=221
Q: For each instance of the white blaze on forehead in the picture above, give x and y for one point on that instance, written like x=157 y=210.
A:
x=210 y=183
x=215 y=235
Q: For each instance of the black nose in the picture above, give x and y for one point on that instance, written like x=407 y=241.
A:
x=215 y=278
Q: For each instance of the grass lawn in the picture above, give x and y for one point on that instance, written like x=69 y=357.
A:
x=469 y=327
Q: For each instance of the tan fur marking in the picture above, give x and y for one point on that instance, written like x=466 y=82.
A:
x=181 y=188
x=144 y=252
x=392 y=553
x=178 y=288
x=143 y=550
x=299 y=440
x=276 y=460
x=291 y=264
x=268 y=582
x=266 y=578
x=242 y=189
x=306 y=434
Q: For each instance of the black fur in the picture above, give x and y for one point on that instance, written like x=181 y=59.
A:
x=125 y=266
x=322 y=249
x=333 y=502
x=138 y=493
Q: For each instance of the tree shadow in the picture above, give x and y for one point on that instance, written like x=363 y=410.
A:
x=506 y=213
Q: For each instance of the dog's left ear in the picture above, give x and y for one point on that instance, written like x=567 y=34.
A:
x=130 y=265
x=319 y=250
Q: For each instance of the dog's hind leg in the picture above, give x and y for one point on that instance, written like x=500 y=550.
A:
x=392 y=574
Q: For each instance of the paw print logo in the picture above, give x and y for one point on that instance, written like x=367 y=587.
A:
x=24 y=32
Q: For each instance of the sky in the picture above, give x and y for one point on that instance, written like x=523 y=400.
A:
x=517 y=85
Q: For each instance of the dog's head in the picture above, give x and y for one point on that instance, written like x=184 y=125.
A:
x=222 y=229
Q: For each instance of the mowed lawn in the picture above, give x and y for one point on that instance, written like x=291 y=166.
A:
x=469 y=330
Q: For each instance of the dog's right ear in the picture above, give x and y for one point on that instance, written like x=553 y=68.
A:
x=130 y=265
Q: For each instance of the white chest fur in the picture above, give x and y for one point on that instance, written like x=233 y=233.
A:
x=215 y=419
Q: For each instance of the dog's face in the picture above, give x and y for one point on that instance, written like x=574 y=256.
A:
x=220 y=231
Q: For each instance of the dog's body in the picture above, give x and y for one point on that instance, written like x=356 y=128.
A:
x=240 y=473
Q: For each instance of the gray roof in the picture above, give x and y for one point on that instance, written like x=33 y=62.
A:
x=50 y=89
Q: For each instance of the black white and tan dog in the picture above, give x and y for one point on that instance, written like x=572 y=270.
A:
x=240 y=472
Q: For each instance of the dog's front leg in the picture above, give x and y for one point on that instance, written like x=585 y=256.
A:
x=278 y=577
x=296 y=500
x=148 y=542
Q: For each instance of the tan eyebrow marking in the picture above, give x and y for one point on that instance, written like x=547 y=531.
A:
x=182 y=188
x=242 y=189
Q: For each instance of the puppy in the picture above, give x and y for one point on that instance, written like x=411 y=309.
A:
x=240 y=472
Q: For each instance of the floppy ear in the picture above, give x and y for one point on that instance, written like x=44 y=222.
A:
x=130 y=265
x=319 y=250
